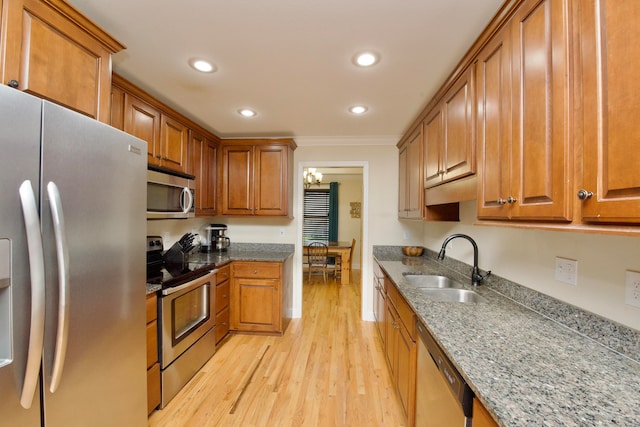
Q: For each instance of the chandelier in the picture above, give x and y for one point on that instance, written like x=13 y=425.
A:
x=311 y=176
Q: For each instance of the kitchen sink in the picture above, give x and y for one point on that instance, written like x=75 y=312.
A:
x=431 y=281
x=452 y=295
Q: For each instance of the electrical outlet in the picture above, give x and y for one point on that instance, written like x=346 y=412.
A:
x=632 y=289
x=567 y=270
x=282 y=232
x=405 y=235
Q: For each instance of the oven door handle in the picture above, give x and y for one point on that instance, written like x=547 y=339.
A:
x=189 y=285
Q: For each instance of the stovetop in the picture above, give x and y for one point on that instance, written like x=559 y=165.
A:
x=170 y=274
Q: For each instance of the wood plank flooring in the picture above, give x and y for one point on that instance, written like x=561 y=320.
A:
x=327 y=370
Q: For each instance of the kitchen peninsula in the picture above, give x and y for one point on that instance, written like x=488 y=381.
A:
x=524 y=367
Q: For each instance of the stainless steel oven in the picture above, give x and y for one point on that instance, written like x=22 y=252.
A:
x=187 y=340
x=170 y=195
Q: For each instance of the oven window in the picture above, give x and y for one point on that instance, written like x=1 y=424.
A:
x=189 y=311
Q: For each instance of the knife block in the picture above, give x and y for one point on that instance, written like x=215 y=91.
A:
x=175 y=255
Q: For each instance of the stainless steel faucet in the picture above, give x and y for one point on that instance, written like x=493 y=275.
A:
x=476 y=277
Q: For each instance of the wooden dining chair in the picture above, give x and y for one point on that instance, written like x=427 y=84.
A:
x=317 y=256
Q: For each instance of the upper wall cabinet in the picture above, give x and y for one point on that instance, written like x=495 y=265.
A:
x=50 y=50
x=256 y=177
x=203 y=165
x=524 y=126
x=610 y=50
x=410 y=189
x=449 y=141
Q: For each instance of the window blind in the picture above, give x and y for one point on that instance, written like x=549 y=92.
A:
x=316 y=215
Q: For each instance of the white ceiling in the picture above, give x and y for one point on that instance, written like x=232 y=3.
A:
x=290 y=60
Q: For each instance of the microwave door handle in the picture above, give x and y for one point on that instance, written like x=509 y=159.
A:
x=36 y=272
x=62 y=251
x=186 y=193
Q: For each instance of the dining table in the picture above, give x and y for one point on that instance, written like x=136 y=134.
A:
x=340 y=249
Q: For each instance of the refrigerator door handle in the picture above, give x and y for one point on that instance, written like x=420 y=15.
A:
x=186 y=194
x=36 y=272
x=62 y=252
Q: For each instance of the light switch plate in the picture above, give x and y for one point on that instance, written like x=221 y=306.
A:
x=632 y=288
x=567 y=270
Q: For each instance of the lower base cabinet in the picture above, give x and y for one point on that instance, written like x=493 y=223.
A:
x=481 y=417
x=223 y=288
x=256 y=297
x=153 y=367
x=400 y=348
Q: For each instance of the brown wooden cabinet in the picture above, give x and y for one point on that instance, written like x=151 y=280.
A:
x=50 y=50
x=203 y=165
x=257 y=177
x=400 y=347
x=449 y=141
x=481 y=417
x=610 y=50
x=379 y=296
x=153 y=367
x=169 y=136
x=256 y=297
x=523 y=107
x=410 y=191
x=223 y=288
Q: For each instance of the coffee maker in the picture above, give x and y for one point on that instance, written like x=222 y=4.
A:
x=215 y=239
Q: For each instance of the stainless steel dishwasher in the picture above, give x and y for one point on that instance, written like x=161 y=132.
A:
x=443 y=398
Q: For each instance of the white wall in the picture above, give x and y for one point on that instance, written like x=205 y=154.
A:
x=528 y=256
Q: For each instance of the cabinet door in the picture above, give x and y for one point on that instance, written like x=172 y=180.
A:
x=271 y=180
x=202 y=165
x=143 y=121
x=406 y=371
x=117 y=108
x=541 y=156
x=458 y=151
x=237 y=180
x=50 y=57
x=610 y=53
x=403 y=183
x=391 y=325
x=256 y=305
x=173 y=144
x=433 y=147
x=493 y=95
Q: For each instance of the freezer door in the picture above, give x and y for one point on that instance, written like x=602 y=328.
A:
x=19 y=161
x=95 y=357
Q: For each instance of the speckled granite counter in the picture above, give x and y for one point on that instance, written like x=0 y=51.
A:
x=240 y=252
x=527 y=369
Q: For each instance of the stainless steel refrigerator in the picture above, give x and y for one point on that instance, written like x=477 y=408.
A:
x=72 y=268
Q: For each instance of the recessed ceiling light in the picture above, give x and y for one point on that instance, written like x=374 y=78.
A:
x=247 y=112
x=366 y=59
x=202 y=65
x=358 y=109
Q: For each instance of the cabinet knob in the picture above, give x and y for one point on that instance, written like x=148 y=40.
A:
x=511 y=200
x=13 y=83
x=584 y=194
x=501 y=201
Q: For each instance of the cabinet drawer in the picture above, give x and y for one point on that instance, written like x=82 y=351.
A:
x=222 y=324
x=262 y=270
x=224 y=273
x=152 y=307
x=222 y=296
x=153 y=387
x=152 y=343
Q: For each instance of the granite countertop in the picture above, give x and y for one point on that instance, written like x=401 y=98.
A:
x=239 y=252
x=526 y=369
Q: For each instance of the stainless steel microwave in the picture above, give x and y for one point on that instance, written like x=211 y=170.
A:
x=170 y=195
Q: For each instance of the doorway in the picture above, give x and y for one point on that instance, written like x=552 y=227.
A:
x=353 y=218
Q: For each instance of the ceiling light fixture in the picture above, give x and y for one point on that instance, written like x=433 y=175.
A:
x=366 y=59
x=247 y=112
x=202 y=65
x=358 y=109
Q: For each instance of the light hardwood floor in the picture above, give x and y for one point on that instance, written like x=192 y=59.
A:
x=327 y=370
